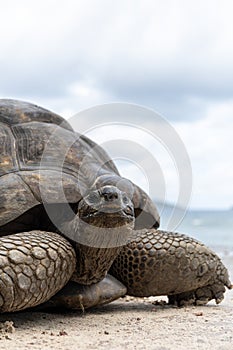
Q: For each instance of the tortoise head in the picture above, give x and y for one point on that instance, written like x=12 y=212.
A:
x=145 y=211
x=106 y=207
x=106 y=217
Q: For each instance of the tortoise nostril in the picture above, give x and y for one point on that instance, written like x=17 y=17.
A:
x=109 y=194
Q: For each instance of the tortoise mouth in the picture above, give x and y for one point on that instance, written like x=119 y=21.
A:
x=109 y=212
x=108 y=219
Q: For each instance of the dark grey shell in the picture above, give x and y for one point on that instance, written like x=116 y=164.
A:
x=43 y=160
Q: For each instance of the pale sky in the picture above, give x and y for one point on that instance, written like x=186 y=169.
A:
x=174 y=57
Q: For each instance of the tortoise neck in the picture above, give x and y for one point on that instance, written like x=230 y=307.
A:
x=93 y=263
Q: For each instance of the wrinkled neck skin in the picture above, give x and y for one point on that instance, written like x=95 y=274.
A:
x=90 y=235
x=93 y=263
x=96 y=247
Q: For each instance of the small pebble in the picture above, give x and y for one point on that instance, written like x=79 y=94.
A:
x=62 y=333
x=198 y=313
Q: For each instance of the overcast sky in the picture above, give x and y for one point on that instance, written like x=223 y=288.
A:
x=175 y=57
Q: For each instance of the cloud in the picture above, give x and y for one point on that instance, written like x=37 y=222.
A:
x=208 y=142
x=170 y=56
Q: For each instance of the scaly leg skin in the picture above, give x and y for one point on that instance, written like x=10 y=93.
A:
x=33 y=267
x=164 y=263
x=200 y=296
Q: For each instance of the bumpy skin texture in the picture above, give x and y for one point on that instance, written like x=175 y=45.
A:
x=33 y=267
x=165 y=263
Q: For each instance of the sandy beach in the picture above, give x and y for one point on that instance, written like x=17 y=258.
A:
x=128 y=323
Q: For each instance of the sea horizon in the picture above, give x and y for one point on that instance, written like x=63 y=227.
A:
x=213 y=227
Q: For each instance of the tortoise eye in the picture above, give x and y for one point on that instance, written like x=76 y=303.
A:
x=94 y=197
x=125 y=199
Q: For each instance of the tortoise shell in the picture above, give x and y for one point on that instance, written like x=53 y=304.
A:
x=42 y=160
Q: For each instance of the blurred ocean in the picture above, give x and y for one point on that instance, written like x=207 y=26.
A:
x=212 y=227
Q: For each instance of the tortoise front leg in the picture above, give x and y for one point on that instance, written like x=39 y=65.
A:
x=33 y=266
x=165 y=263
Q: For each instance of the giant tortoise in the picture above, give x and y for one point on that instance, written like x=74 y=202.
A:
x=74 y=233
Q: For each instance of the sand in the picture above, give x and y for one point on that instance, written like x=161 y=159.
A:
x=128 y=323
